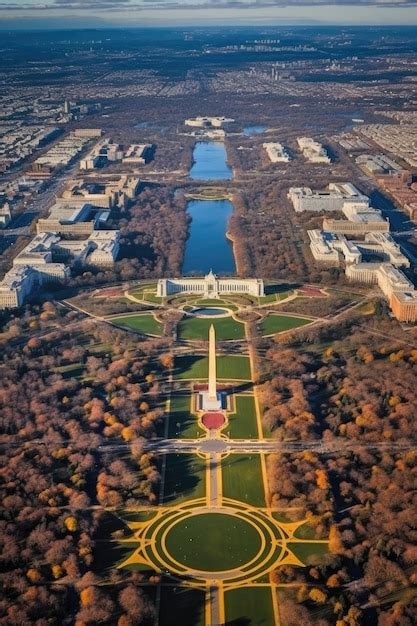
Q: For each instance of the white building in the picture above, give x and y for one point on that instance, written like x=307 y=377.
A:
x=103 y=152
x=322 y=246
x=38 y=255
x=363 y=273
x=47 y=257
x=276 y=152
x=68 y=218
x=211 y=286
x=327 y=247
x=397 y=289
x=333 y=198
x=117 y=190
x=207 y=122
x=105 y=247
x=137 y=154
x=384 y=244
x=361 y=219
x=312 y=150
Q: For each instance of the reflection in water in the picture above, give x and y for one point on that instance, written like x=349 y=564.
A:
x=207 y=247
x=210 y=162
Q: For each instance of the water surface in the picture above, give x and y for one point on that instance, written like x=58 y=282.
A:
x=254 y=130
x=207 y=247
x=210 y=162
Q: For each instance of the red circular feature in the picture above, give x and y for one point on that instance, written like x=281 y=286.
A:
x=213 y=420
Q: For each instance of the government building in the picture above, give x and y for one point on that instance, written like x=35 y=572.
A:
x=210 y=286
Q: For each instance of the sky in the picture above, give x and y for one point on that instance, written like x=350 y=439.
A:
x=104 y=13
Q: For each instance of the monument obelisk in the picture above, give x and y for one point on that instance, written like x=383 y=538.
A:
x=211 y=400
x=212 y=381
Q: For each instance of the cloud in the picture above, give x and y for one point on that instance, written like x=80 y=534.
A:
x=105 y=6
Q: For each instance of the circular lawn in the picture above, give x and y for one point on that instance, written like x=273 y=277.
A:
x=213 y=542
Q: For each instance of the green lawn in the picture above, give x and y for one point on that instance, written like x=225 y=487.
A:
x=138 y=292
x=181 y=606
x=210 y=302
x=145 y=324
x=228 y=367
x=275 y=297
x=249 y=606
x=150 y=296
x=242 y=424
x=185 y=478
x=213 y=542
x=198 y=328
x=242 y=479
x=182 y=424
x=278 y=323
x=308 y=552
x=228 y=304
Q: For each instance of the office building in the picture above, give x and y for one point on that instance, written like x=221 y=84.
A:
x=276 y=152
x=66 y=218
x=312 y=150
x=331 y=199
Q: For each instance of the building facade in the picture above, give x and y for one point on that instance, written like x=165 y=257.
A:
x=331 y=199
x=397 y=289
x=210 y=286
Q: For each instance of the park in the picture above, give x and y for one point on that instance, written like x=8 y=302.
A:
x=214 y=529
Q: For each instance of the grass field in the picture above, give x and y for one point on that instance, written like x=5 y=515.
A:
x=249 y=606
x=242 y=479
x=213 y=542
x=242 y=424
x=198 y=328
x=278 y=323
x=275 y=297
x=145 y=324
x=309 y=552
x=181 y=606
x=139 y=291
x=228 y=367
x=182 y=425
x=184 y=478
x=210 y=302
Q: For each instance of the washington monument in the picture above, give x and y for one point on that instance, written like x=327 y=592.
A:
x=210 y=398
x=212 y=382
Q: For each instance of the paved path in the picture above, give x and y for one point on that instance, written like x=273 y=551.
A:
x=214 y=499
x=268 y=446
x=214 y=599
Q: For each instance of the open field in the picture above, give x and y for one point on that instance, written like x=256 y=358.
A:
x=228 y=367
x=145 y=324
x=272 y=323
x=198 y=328
x=213 y=542
x=242 y=424
x=249 y=490
x=141 y=288
x=249 y=606
x=182 y=424
x=308 y=552
x=181 y=605
x=275 y=297
x=184 y=478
